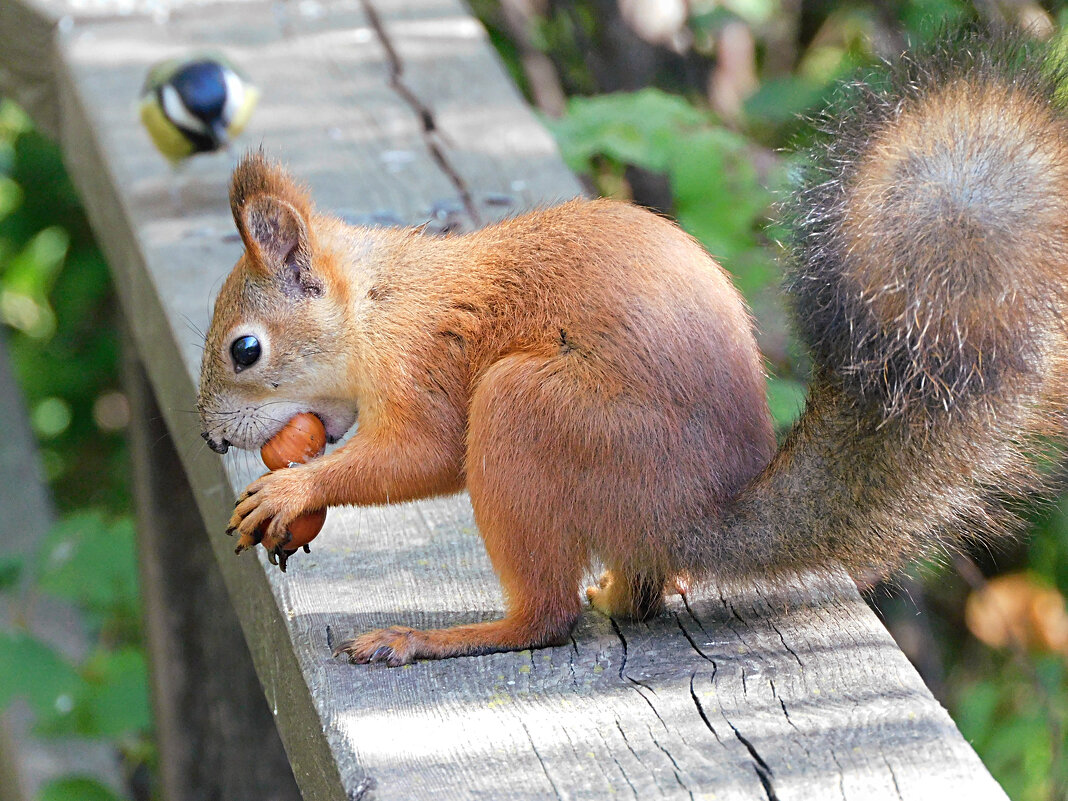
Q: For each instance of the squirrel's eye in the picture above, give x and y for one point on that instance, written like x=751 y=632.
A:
x=245 y=351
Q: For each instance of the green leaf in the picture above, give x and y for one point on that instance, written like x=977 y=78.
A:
x=782 y=100
x=112 y=701
x=638 y=128
x=92 y=562
x=718 y=196
x=76 y=788
x=10 y=196
x=31 y=670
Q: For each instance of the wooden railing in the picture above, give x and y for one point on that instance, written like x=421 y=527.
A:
x=399 y=110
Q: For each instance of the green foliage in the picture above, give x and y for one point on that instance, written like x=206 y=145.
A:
x=55 y=300
x=1048 y=550
x=76 y=788
x=1005 y=713
x=89 y=561
x=640 y=128
x=31 y=670
x=92 y=563
x=11 y=568
x=111 y=699
x=786 y=400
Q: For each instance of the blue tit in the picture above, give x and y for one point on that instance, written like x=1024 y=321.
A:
x=195 y=105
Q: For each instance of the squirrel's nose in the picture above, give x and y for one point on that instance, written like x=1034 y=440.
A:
x=218 y=447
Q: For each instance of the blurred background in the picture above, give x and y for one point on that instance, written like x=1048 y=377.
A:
x=650 y=100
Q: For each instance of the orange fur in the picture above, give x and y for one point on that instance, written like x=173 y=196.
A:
x=587 y=372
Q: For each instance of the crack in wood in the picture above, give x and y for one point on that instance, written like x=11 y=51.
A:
x=618 y=765
x=789 y=720
x=841 y=775
x=765 y=782
x=579 y=758
x=626 y=741
x=763 y=770
x=689 y=609
x=690 y=640
x=701 y=708
x=734 y=613
x=541 y=761
x=626 y=778
x=786 y=712
x=782 y=639
x=623 y=642
x=572 y=653
x=675 y=764
x=893 y=777
x=431 y=135
x=634 y=682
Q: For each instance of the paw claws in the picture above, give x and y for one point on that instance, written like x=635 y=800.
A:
x=381 y=653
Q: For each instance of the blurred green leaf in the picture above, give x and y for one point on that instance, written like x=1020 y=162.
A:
x=112 y=700
x=639 y=128
x=755 y=12
x=718 y=197
x=76 y=788
x=92 y=562
x=10 y=196
x=782 y=100
x=51 y=417
x=30 y=669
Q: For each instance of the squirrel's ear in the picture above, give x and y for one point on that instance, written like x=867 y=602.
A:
x=272 y=215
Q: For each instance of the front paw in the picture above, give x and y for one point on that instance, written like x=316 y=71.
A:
x=269 y=505
x=395 y=646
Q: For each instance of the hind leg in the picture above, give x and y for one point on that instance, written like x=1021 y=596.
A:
x=617 y=594
x=518 y=484
x=542 y=605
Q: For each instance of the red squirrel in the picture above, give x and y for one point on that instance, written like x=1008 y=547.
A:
x=589 y=374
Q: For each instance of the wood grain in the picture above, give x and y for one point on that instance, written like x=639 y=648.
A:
x=400 y=111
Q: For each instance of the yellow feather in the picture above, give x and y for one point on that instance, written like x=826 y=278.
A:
x=170 y=141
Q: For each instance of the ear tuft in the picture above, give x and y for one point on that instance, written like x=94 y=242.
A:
x=272 y=214
x=255 y=176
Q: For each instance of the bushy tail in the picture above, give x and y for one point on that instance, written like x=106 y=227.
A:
x=930 y=282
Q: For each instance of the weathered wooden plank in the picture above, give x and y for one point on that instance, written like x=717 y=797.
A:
x=799 y=694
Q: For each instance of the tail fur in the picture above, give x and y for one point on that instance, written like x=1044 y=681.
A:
x=930 y=283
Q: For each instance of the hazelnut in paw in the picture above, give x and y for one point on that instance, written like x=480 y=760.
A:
x=271 y=511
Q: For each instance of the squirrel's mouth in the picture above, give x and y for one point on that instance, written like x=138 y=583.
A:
x=250 y=431
x=337 y=418
x=221 y=446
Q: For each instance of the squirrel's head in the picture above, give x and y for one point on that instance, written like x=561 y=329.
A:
x=277 y=344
